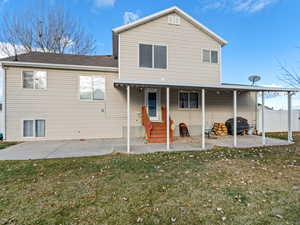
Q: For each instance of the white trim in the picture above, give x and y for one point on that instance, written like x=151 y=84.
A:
x=142 y=83
x=220 y=64
x=263 y=117
x=4 y=103
x=119 y=55
x=166 y=12
x=203 y=118
x=235 y=118
x=128 y=119
x=168 y=117
x=59 y=66
x=290 y=132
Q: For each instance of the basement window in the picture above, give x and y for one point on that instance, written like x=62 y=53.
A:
x=34 y=128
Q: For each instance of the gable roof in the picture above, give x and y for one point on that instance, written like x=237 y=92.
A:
x=173 y=9
x=65 y=59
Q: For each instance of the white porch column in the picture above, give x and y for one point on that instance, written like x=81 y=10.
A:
x=203 y=118
x=234 y=118
x=290 y=134
x=263 y=133
x=128 y=119
x=168 y=117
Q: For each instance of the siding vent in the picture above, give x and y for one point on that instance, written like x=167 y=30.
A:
x=174 y=20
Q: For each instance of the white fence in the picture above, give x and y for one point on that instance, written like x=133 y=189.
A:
x=277 y=120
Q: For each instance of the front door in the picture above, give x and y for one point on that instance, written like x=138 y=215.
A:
x=152 y=101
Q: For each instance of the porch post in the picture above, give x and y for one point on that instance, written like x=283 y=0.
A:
x=203 y=118
x=128 y=119
x=234 y=118
x=263 y=118
x=168 y=117
x=290 y=134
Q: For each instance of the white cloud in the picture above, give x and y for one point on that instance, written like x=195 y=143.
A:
x=7 y=49
x=249 y=6
x=104 y=3
x=130 y=17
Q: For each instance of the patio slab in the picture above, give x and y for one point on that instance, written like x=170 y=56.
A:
x=76 y=148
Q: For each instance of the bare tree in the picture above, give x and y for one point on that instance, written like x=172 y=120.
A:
x=290 y=76
x=54 y=30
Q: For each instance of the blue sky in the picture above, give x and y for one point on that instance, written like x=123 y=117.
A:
x=261 y=33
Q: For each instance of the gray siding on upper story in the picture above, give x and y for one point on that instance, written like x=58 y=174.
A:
x=184 y=42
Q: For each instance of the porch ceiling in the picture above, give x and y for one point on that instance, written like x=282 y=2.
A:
x=223 y=86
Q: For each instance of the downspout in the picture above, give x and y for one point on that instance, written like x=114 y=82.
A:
x=4 y=102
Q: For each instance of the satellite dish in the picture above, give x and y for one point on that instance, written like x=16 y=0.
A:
x=254 y=78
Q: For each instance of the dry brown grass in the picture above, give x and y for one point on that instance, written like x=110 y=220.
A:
x=221 y=186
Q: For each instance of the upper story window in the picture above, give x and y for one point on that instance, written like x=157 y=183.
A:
x=210 y=56
x=35 y=79
x=153 y=56
x=92 y=87
x=188 y=100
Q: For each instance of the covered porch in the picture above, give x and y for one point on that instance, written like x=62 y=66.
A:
x=200 y=140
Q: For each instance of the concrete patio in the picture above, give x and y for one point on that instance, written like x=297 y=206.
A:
x=76 y=148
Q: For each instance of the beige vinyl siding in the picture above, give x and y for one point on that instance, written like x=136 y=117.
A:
x=67 y=117
x=219 y=108
x=184 y=49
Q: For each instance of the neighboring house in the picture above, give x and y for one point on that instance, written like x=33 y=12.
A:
x=60 y=96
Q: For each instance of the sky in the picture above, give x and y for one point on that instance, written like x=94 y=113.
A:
x=261 y=34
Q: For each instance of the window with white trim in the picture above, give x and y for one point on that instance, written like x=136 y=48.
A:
x=188 y=100
x=153 y=56
x=210 y=56
x=34 y=128
x=92 y=88
x=34 y=79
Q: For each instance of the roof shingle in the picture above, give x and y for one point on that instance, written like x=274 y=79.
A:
x=67 y=59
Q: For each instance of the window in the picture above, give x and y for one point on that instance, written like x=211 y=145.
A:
x=214 y=56
x=40 y=128
x=210 y=56
x=160 y=57
x=153 y=56
x=92 y=88
x=188 y=100
x=35 y=79
x=206 y=56
x=29 y=130
x=146 y=56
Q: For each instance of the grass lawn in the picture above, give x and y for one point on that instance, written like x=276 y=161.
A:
x=7 y=144
x=221 y=186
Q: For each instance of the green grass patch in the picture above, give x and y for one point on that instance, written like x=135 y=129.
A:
x=7 y=144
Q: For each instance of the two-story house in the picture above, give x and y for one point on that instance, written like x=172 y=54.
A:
x=166 y=65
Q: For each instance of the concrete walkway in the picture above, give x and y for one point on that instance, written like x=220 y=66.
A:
x=76 y=148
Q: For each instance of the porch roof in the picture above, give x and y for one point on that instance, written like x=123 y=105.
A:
x=222 y=86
